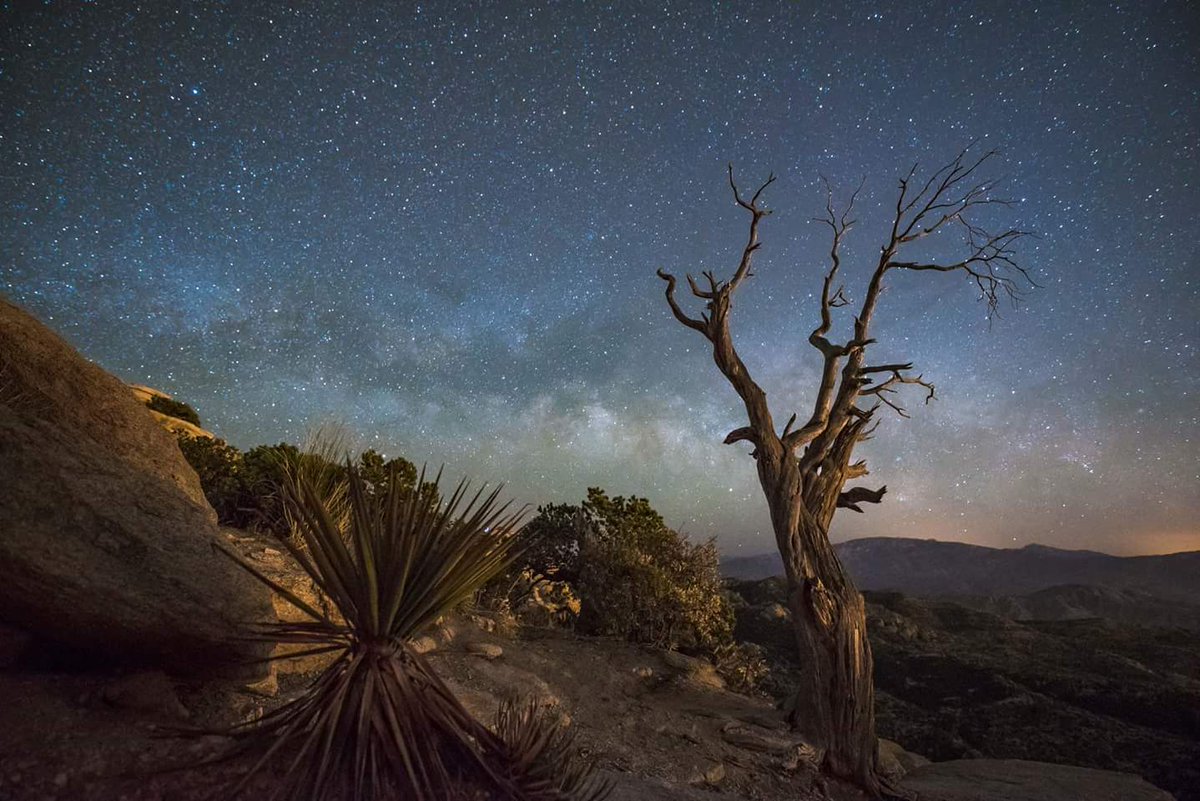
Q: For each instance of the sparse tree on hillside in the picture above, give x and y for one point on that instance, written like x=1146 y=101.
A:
x=803 y=469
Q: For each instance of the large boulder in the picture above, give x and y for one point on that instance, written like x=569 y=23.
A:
x=1019 y=780
x=106 y=540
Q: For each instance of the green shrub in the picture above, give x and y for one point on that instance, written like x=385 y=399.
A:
x=640 y=580
x=633 y=577
x=260 y=488
x=743 y=665
x=173 y=408
x=245 y=489
x=218 y=465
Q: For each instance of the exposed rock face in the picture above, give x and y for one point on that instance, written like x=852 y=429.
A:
x=173 y=424
x=1017 y=780
x=106 y=541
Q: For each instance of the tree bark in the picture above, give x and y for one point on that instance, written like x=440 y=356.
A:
x=833 y=706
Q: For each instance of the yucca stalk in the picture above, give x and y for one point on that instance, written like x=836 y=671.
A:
x=378 y=723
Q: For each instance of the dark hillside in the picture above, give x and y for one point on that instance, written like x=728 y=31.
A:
x=955 y=682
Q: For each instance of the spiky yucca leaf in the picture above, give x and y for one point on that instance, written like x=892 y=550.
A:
x=378 y=723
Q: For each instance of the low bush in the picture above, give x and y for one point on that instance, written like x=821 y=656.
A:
x=626 y=574
x=245 y=489
x=173 y=408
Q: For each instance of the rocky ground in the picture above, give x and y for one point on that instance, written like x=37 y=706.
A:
x=660 y=725
x=657 y=724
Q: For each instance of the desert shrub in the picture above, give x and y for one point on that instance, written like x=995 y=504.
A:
x=547 y=553
x=743 y=665
x=551 y=541
x=243 y=488
x=264 y=470
x=641 y=580
x=524 y=597
x=173 y=408
x=246 y=489
x=218 y=465
x=612 y=566
x=375 y=469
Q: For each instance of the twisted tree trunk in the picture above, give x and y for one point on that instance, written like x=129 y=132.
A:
x=833 y=706
x=803 y=471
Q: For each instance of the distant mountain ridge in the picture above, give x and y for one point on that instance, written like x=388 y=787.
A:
x=934 y=568
x=1082 y=601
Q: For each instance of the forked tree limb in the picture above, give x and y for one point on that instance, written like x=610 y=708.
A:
x=690 y=322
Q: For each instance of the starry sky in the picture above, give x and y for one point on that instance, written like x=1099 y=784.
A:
x=437 y=224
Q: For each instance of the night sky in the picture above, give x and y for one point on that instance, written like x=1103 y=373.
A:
x=438 y=225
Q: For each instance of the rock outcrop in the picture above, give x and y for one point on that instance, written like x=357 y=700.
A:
x=173 y=424
x=106 y=540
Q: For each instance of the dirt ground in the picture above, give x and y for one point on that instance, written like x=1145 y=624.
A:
x=657 y=724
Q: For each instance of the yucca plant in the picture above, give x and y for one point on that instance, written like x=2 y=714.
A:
x=378 y=723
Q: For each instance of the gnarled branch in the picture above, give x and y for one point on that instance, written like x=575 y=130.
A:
x=851 y=498
x=714 y=323
x=690 y=322
x=886 y=387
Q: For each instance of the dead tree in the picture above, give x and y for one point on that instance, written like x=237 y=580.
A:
x=803 y=469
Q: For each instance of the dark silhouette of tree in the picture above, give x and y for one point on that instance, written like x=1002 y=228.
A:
x=803 y=470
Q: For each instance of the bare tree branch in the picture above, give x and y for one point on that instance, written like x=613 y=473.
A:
x=690 y=322
x=757 y=212
x=991 y=255
x=882 y=390
x=714 y=325
x=839 y=224
x=949 y=196
x=851 y=498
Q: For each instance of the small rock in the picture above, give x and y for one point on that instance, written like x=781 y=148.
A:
x=775 y=612
x=690 y=734
x=423 y=645
x=267 y=688
x=486 y=650
x=895 y=762
x=711 y=774
x=446 y=632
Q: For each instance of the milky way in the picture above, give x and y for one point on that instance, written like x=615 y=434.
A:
x=438 y=224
